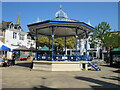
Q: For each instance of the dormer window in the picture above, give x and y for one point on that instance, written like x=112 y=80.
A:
x=15 y=27
x=11 y=26
x=19 y=28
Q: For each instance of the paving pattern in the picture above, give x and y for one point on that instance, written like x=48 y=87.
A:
x=20 y=76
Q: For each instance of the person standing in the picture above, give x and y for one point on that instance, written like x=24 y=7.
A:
x=13 y=59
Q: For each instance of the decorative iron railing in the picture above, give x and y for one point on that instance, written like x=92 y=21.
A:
x=63 y=58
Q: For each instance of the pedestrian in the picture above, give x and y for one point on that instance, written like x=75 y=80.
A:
x=31 y=66
x=13 y=59
x=3 y=56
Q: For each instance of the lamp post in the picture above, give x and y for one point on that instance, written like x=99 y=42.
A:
x=36 y=39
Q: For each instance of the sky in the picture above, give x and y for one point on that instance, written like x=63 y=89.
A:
x=95 y=12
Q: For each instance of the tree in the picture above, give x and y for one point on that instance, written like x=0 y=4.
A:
x=71 y=42
x=101 y=31
x=104 y=37
x=59 y=43
x=43 y=40
x=112 y=41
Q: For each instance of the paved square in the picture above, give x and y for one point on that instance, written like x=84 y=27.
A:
x=19 y=76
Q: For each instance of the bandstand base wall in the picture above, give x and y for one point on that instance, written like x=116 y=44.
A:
x=59 y=65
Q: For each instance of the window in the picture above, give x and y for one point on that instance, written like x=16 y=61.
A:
x=19 y=28
x=21 y=37
x=92 y=45
x=94 y=54
x=11 y=26
x=28 y=37
x=14 y=35
x=84 y=53
x=1 y=33
x=90 y=54
x=15 y=27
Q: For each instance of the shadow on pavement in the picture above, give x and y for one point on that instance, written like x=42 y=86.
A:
x=114 y=66
x=43 y=88
x=117 y=71
x=112 y=78
x=102 y=84
x=24 y=64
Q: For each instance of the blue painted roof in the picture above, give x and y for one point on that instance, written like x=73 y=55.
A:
x=65 y=27
x=62 y=22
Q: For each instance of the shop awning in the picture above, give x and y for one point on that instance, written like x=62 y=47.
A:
x=117 y=49
x=45 y=48
x=5 y=48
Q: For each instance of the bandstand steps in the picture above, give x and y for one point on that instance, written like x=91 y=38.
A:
x=94 y=66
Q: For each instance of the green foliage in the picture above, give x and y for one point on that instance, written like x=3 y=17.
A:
x=71 y=42
x=113 y=40
x=43 y=40
x=104 y=37
x=101 y=31
x=102 y=28
x=59 y=43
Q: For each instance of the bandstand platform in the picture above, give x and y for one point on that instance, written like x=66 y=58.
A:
x=60 y=65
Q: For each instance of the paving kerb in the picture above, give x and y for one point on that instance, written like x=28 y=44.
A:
x=22 y=77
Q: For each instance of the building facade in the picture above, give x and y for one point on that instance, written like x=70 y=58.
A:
x=2 y=33
x=13 y=35
x=93 y=50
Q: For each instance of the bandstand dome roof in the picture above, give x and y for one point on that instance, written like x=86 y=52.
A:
x=63 y=26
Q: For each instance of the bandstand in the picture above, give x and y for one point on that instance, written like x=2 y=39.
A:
x=61 y=26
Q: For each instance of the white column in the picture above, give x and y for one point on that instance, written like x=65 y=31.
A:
x=86 y=66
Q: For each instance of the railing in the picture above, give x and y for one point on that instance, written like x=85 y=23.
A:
x=44 y=57
x=95 y=67
x=62 y=58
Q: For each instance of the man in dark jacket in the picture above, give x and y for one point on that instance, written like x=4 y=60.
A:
x=13 y=59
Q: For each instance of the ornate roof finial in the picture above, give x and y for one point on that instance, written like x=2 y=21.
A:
x=38 y=19
x=89 y=22
x=61 y=13
x=60 y=6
